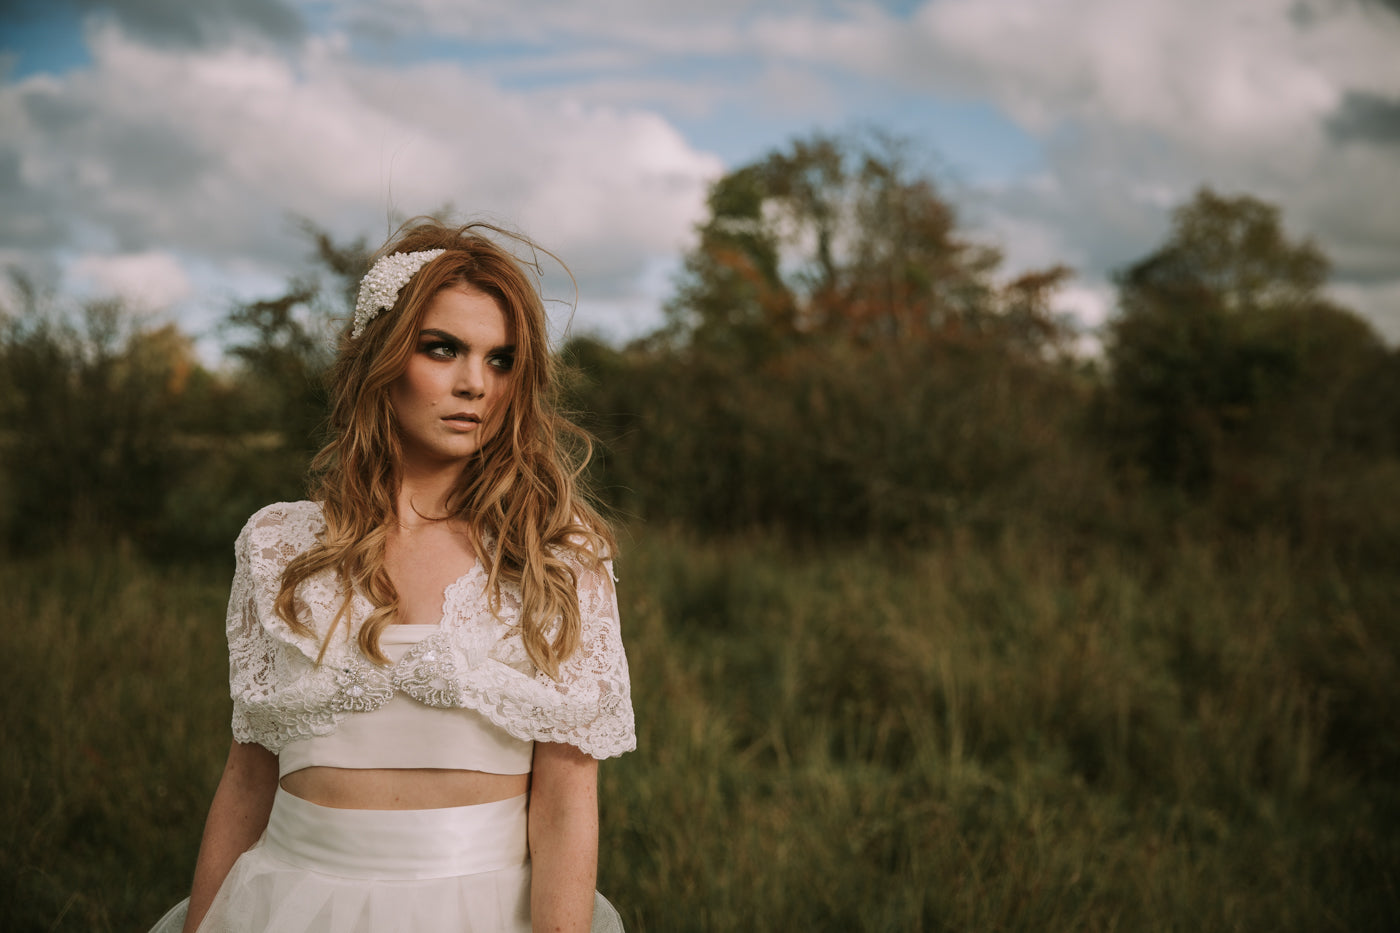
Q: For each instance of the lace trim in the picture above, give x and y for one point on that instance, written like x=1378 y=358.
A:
x=476 y=660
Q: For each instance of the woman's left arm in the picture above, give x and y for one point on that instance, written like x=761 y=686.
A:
x=563 y=839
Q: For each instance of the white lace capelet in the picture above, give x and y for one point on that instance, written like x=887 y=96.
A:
x=476 y=661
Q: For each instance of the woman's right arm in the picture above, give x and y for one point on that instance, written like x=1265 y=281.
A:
x=237 y=817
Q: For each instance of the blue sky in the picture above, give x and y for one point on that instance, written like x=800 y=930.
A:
x=162 y=150
x=43 y=37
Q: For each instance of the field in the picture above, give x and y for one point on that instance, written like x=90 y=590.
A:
x=981 y=735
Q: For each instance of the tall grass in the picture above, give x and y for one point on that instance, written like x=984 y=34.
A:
x=977 y=735
x=113 y=733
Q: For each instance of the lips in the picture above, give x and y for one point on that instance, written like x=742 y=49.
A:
x=464 y=417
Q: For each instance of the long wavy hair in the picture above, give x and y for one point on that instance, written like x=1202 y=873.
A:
x=520 y=497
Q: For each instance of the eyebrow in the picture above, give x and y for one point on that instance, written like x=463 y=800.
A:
x=458 y=343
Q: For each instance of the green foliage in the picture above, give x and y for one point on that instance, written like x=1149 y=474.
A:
x=1235 y=381
x=838 y=440
x=828 y=237
x=839 y=362
x=1212 y=334
x=110 y=427
x=89 y=414
x=283 y=354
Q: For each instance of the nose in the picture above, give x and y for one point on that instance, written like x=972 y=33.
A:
x=471 y=380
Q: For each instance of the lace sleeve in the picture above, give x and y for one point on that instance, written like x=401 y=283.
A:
x=260 y=667
x=594 y=679
x=250 y=652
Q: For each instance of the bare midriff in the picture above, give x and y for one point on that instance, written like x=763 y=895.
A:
x=401 y=788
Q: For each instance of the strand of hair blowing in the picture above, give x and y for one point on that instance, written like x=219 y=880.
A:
x=521 y=498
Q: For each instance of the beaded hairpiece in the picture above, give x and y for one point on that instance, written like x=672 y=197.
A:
x=379 y=289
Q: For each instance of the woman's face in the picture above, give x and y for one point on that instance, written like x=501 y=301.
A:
x=458 y=375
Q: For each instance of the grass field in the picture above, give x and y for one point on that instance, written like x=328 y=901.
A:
x=998 y=736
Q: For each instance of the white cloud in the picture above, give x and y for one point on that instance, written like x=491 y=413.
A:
x=147 y=281
x=1089 y=304
x=1224 y=70
x=1139 y=104
x=571 y=136
x=215 y=152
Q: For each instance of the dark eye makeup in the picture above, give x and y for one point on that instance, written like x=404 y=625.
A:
x=441 y=345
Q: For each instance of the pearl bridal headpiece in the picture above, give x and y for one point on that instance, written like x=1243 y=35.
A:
x=380 y=287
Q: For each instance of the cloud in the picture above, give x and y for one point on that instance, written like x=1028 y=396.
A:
x=151 y=281
x=1137 y=105
x=203 y=130
x=1391 y=5
x=186 y=24
x=1366 y=117
x=674 y=25
x=211 y=154
x=1384 y=295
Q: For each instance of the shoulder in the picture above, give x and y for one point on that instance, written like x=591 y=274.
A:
x=587 y=543
x=281 y=513
x=281 y=530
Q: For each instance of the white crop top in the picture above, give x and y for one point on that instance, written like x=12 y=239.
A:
x=404 y=733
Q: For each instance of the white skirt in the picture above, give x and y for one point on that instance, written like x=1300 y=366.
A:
x=328 y=870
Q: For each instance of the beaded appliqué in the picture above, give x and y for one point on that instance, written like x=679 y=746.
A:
x=360 y=689
x=380 y=287
x=429 y=672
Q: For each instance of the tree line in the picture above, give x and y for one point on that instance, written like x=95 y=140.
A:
x=839 y=362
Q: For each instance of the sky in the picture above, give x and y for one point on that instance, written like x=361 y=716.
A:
x=168 y=152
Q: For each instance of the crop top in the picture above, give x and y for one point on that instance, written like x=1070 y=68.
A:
x=475 y=660
x=404 y=733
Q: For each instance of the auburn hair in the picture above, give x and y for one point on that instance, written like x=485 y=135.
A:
x=520 y=497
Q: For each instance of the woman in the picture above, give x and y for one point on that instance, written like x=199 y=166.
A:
x=425 y=659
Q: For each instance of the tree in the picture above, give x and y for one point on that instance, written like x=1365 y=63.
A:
x=830 y=236
x=284 y=346
x=90 y=406
x=839 y=360
x=1226 y=359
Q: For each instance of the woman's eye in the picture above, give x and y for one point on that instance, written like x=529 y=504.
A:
x=502 y=361
x=440 y=351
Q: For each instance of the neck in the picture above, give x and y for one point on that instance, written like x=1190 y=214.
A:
x=424 y=492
